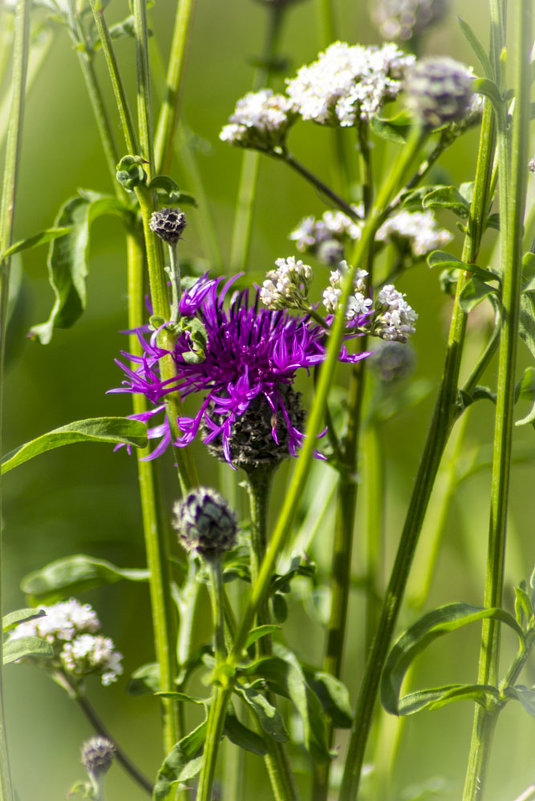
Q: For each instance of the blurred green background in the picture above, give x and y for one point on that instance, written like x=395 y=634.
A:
x=83 y=499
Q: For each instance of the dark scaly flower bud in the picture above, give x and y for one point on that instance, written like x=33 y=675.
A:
x=252 y=444
x=439 y=91
x=97 y=755
x=205 y=523
x=405 y=19
x=168 y=224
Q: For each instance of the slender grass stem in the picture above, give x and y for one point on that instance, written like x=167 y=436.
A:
x=216 y=598
x=250 y=166
x=441 y=423
x=512 y=189
x=94 y=719
x=7 y=216
x=168 y=119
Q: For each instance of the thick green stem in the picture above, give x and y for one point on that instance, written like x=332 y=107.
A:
x=156 y=547
x=7 y=215
x=214 y=732
x=442 y=421
x=241 y=234
x=168 y=119
x=130 y=767
x=512 y=189
x=216 y=599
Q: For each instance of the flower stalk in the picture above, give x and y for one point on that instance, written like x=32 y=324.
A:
x=512 y=205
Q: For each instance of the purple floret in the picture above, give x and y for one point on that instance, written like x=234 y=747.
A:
x=250 y=352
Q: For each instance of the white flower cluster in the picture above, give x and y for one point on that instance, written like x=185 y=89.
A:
x=348 y=83
x=358 y=304
x=70 y=627
x=394 y=319
x=418 y=227
x=286 y=286
x=260 y=121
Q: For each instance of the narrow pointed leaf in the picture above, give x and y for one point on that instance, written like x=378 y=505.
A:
x=72 y=575
x=112 y=430
x=182 y=763
x=268 y=716
x=477 y=47
x=438 y=697
x=26 y=647
x=333 y=696
x=20 y=616
x=527 y=321
x=243 y=737
x=34 y=241
x=258 y=632
x=430 y=627
x=145 y=680
x=526 y=696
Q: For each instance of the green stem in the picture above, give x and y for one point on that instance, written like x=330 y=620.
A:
x=442 y=421
x=168 y=119
x=121 y=757
x=241 y=234
x=513 y=181
x=7 y=215
x=119 y=90
x=156 y=547
x=216 y=599
x=214 y=732
x=326 y=24
x=277 y=762
x=144 y=99
x=338 y=201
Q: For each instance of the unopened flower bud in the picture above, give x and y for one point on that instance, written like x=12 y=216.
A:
x=205 y=523
x=97 y=755
x=439 y=91
x=168 y=224
x=392 y=361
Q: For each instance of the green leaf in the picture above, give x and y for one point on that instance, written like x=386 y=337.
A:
x=35 y=240
x=96 y=429
x=430 y=627
x=527 y=321
x=72 y=575
x=333 y=696
x=523 y=607
x=487 y=87
x=528 y=272
x=393 y=129
x=258 y=632
x=13 y=619
x=67 y=259
x=526 y=389
x=170 y=191
x=243 y=737
x=182 y=763
x=145 y=680
x=447 y=261
x=477 y=47
x=130 y=172
x=447 y=197
x=25 y=648
x=269 y=717
x=473 y=293
x=441 y=696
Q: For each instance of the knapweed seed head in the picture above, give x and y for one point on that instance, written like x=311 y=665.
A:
x=348 y=84
x=205 y=523
x=260 y=121
x=168 y=224
x=248 y=353
x=439 y=91
x=97 y=755
x=70 y=627
x=405 y=19
x=287 y=286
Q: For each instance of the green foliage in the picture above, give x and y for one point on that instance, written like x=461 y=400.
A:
x=72 y=575
x=26 y=648
x=112 y=430
x=68 y=258
x=13 y=619
x=182 y=763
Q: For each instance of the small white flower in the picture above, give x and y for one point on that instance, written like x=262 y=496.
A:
x=62 y=621
x=348 y=83
x=286 y=286
x=260 y=120
x=394 y=319
x=90 y=653
x=358 y=304
x=419 y=228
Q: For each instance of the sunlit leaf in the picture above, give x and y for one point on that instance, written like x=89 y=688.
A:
x=74 y=574
x=477 y=47
x=268 y=716
x=34 y=241
x=26 y=647
x=13 y=619
x=112 y=430
x=182 y=763
x=145 y=680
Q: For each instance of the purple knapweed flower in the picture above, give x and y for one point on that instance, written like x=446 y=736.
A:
x=249 y=355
